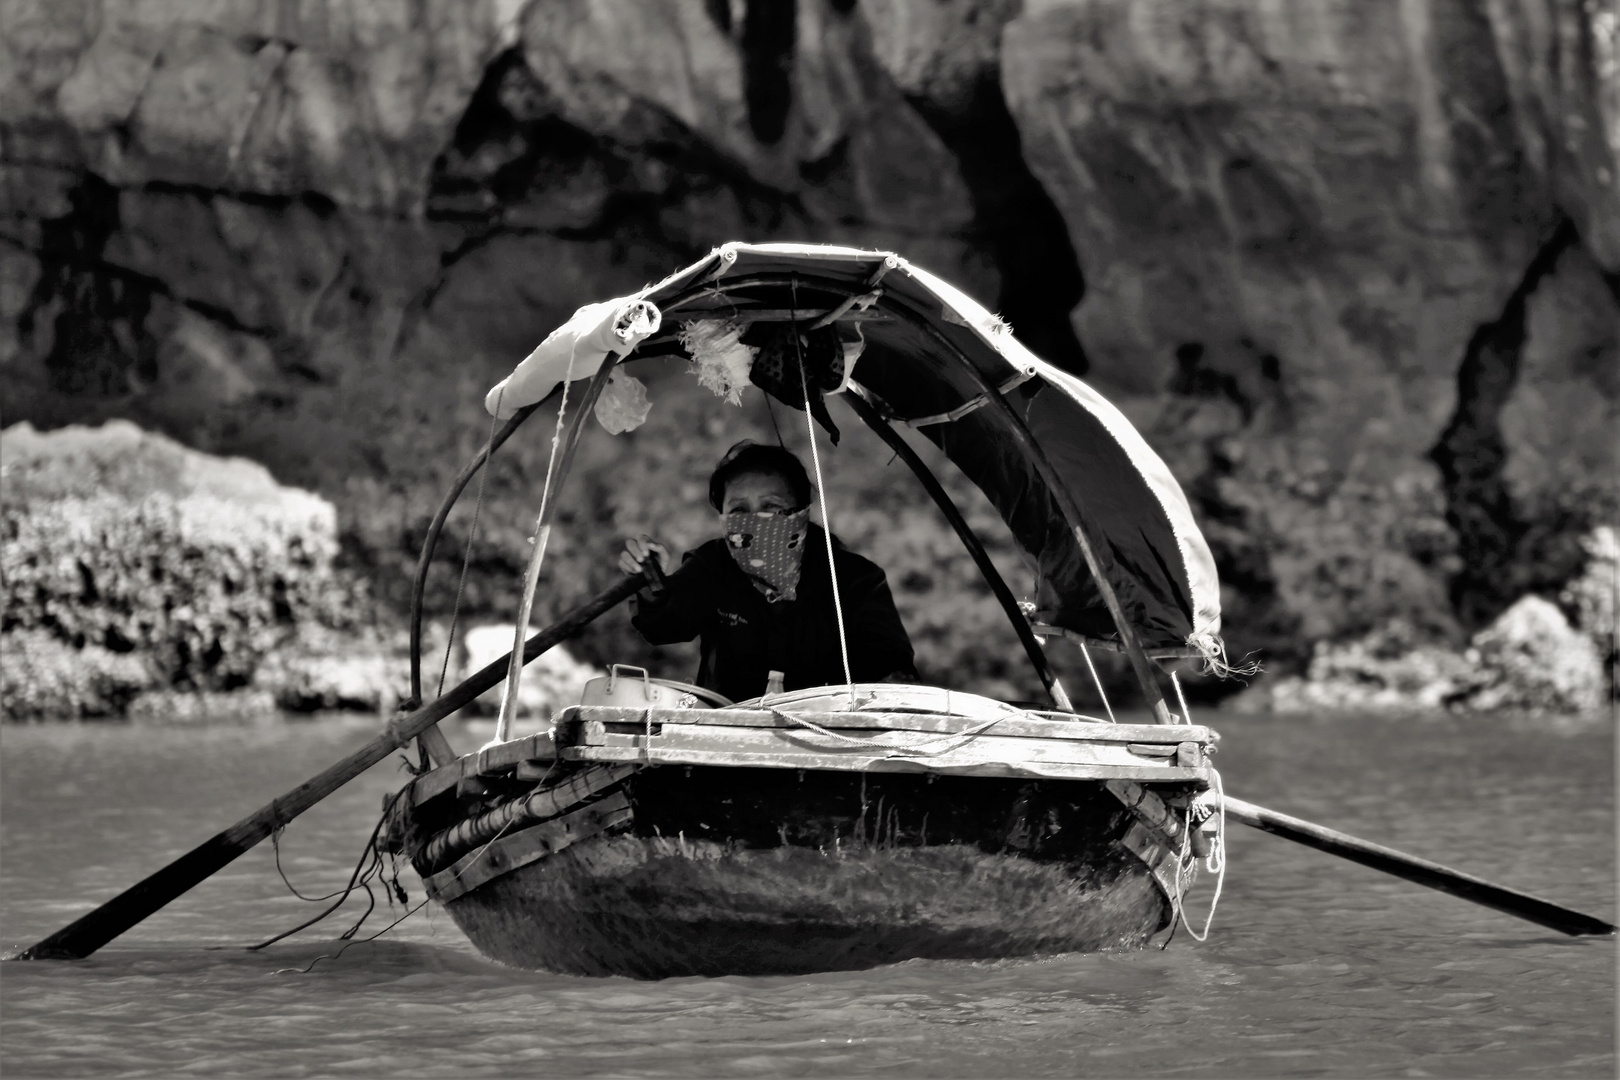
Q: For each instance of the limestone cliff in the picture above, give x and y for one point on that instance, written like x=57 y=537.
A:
x=1352 y=265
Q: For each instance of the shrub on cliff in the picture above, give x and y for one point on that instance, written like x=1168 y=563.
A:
x=121 y=542
x=43 y=680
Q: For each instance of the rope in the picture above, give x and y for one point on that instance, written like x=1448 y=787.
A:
x=771 y=411
x=1100 y=691
x=275 y=842
x=360 y=878
x=347 y=945
x=348 y=937
x=821 y=487
x=1215 y=863
x=466 y=556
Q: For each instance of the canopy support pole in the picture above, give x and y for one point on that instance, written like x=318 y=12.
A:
x=970 y=540
x=542 y=531
x=439 y=750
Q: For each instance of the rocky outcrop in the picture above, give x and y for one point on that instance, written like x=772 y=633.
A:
x=1353 y=267
x=552 y=682
x=132 y=564
x=1591 y=597
x=47 y=678
x=1530 y=659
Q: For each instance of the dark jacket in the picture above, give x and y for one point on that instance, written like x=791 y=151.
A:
x=744 y=637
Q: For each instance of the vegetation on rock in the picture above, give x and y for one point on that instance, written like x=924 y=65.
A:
x=131 y=563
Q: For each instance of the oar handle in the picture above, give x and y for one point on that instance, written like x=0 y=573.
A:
x=1414 y=869
x=653 y=572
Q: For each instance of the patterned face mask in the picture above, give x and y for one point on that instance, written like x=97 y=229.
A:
x=769 y=547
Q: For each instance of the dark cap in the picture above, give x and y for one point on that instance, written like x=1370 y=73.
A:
x=749 y=456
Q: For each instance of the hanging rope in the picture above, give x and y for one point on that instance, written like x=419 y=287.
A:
x=1100 y=691
x=1215 y=863
x=472 y=534
x=275 y=842
x=366 y=870
x=771 y=411
x=821 y=487
x=348 y=937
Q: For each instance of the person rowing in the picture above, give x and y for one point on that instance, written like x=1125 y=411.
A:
x=760 y=597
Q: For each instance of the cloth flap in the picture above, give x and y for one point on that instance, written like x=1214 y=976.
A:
x=575 y=350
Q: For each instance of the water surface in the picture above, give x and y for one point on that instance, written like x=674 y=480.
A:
x=1315 y=967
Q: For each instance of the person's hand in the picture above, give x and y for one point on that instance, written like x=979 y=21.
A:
x=636 y=552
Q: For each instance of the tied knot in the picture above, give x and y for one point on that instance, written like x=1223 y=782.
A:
x=397 y=731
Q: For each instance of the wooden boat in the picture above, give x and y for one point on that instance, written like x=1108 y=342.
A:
x=669 y=832
x=656 y=829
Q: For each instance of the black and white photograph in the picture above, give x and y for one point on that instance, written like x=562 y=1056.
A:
x=809 y=538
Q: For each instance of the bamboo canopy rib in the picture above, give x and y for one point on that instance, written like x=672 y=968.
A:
x=90 y=932
x=424 y=560
x=981 y=558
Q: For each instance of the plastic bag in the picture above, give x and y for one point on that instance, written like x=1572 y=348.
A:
x=623 y=404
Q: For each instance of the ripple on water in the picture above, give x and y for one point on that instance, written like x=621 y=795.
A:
x=1315 y=967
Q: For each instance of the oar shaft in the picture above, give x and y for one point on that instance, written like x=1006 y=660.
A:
x=92 y=931
x=1414 y=869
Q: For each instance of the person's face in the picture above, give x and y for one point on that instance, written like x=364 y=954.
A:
x=757 y=493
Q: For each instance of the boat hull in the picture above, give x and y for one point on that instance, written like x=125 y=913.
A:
x=654 y=908
x=727 y=871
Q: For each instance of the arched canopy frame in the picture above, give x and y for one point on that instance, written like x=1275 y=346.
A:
x=1119 y=557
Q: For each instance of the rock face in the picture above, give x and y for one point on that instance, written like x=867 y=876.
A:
x=1332 y=246
x=1352 y=265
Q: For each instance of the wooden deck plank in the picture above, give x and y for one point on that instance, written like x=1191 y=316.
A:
x=734 y=730
x=1038 y=770
x=1013 y=726
x=977 y=749
x=436 y=782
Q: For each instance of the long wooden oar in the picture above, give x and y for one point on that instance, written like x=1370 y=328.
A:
x=1414 y=869
x=129 y=907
